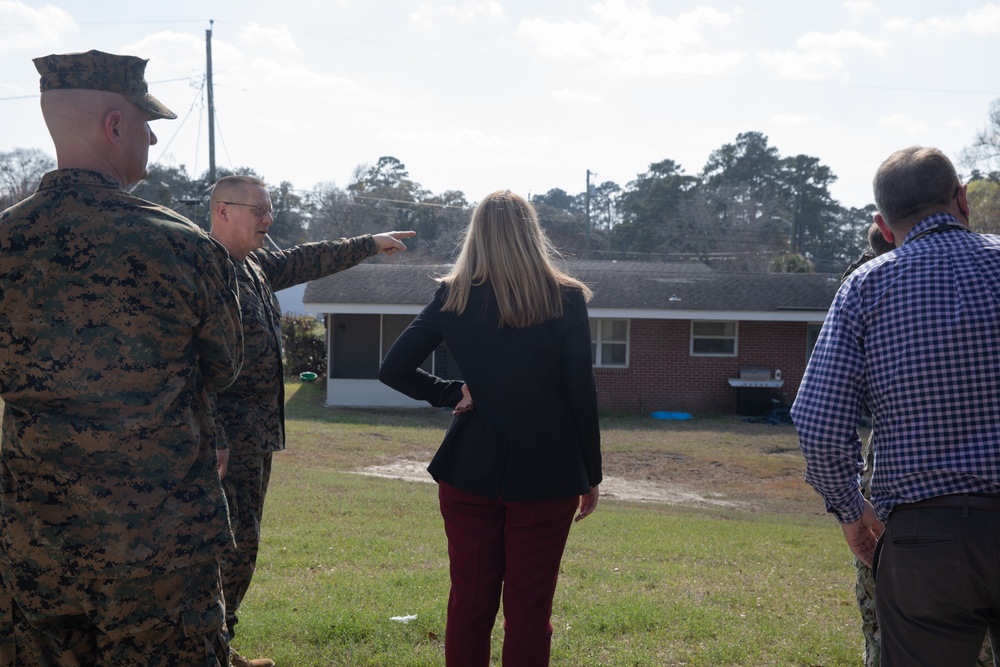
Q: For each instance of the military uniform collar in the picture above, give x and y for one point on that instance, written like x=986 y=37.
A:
x=61 y=178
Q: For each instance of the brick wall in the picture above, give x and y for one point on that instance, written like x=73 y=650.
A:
x=662 y=374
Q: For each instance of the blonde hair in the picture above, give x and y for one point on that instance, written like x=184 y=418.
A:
x=505 y=247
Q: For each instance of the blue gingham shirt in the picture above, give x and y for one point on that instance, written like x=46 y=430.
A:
x=915 y=335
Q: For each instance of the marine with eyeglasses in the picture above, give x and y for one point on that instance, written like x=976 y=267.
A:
x=252 y=411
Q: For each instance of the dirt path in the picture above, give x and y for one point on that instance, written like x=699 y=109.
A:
x=612 y=487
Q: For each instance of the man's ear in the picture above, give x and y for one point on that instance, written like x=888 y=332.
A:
x=883 y=227
x=112 y=125
x=963 y=203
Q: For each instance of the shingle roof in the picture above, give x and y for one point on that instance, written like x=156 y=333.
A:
x=619 y=285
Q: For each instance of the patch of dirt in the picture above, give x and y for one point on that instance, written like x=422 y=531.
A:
x=612 y=487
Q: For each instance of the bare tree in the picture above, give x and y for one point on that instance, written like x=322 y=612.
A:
x=982 y=158
x=20 y=172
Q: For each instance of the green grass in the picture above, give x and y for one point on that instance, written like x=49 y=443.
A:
x=641 y=584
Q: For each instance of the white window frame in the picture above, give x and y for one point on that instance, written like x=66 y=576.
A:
x=735 y=338
x=597 y=341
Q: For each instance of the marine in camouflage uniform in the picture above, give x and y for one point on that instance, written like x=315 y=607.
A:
x=118 y=317
x=252 y=410
x=865 y=584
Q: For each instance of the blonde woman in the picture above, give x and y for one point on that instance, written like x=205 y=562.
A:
x=518 y=462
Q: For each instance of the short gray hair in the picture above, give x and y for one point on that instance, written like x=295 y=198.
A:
x=914 y=182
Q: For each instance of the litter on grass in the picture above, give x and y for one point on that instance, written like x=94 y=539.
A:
x=404 y=619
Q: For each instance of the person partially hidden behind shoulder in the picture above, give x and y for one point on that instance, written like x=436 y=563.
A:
x=118 y=317
x=913 y=335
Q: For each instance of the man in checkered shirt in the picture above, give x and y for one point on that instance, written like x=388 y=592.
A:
x=915 y=335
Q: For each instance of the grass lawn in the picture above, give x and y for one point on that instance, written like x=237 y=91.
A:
x=642 y=584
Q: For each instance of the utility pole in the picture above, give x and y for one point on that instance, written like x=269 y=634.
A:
x=587 y=199
x=211 y=102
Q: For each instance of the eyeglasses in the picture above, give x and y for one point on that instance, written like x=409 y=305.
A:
x=260 y=210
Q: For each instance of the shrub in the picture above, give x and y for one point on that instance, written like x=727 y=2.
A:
x=304 y=343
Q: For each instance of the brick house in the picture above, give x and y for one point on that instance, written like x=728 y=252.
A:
x=677 y=337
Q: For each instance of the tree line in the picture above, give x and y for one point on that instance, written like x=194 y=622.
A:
x=749 y=209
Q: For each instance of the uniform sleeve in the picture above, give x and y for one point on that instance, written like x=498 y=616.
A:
x=220 y=333
x=578 y=374
x=401 y=367
x=312 y=261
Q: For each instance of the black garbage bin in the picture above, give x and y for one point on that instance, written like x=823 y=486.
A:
x=753 y=401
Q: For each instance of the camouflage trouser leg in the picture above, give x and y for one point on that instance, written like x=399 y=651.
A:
x=246 y=486
x=865 y=584
x=865 y=590
x=164 y=621
x=986 y=655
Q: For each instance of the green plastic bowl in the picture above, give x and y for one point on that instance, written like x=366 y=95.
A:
x=308 y=376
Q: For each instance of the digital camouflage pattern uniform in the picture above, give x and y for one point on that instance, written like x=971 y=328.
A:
x=865 y=583
x=252 y=410
x=118 y=317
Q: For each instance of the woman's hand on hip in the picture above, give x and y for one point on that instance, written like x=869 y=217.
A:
x=466 y=403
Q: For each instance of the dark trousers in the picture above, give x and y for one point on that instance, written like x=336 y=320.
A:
x=508 y=548
x=246 y=486
x=937 y=585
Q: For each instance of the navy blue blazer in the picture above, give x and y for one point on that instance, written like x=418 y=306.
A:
x=534 y=432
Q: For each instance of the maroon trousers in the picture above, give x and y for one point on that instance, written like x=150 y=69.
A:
x=495 y=547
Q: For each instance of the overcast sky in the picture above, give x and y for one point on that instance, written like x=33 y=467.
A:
x=527 y=94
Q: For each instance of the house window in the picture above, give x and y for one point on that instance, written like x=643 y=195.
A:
x=713 y=339
x=360 y=342
x=392 y=327
x=609 y=343
x=354 y=346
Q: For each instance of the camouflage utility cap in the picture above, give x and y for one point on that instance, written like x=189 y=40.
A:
x=96 y=70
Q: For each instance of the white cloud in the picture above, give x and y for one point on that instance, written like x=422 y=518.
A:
x=272 y=41
x=171 y=51
x=902 y=124
x=808 y=66
x=270 y=72
x=819 y=54
x=269 y=60
x=459 y=138
x=31 y=28
x=841 y=40
x=577 y=96
x=465 y=12
x=982 y=21
x=629 y=39
x=860 y=7
x=794 y=120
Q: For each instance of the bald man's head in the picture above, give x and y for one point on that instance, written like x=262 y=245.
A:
x=98 y=130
